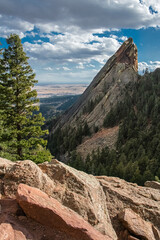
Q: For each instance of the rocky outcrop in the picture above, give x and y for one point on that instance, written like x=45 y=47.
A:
x=50 y=212
x=74 y=189
x=121 y=194
x=7 y=232
x=105 y=91
x=26 y=172
x=15 y=225
x=137 y=226
x=80 y=192
x=70 y=205
x=152 y=184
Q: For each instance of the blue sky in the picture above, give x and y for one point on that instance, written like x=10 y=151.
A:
x=68 y=41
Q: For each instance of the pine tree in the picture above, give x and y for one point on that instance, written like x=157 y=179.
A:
x=1 y=112
x=19 y=104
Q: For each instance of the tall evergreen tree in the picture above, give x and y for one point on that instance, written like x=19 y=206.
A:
x=19 y=103
x=1 y=112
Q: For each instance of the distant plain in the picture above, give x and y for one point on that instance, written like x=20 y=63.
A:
x=45 y=91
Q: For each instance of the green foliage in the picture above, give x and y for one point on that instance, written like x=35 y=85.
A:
x=139 y=134
x=21 y=123
x=137 y=154
x=157 y=179
x=76 y=161
x=68 y=139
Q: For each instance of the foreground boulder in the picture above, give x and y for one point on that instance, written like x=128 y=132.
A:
x=26 y=172
x=95 y=199
x=48 y=211
x=137 y=226
x=80 y=192
x=121 y=194
x=15 y=225
x=76 y=190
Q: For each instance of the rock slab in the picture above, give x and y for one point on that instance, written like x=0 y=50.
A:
x=74 y=189
x=48 y=211
x=15 y=225
x=80 y=192
x=121 y=194
x=137 y=226
x=26 y=172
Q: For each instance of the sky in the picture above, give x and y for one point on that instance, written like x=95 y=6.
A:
x=68 y=41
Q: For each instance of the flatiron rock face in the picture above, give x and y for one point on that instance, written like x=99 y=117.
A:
x=106 y=89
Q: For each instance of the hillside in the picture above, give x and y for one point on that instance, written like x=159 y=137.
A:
x=132 y=106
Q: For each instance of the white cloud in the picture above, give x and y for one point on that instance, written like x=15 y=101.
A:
x=151 y=65
x=80 y=65
x=74 y=48
x=124 y=38
x=57 y=15
x=155 y=4
x=10 y=24
x=66 y=69
x=48 y=68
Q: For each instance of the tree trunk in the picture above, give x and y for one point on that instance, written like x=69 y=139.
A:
x=19 y=148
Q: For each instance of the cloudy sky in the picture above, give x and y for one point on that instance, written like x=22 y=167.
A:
x=68 y=41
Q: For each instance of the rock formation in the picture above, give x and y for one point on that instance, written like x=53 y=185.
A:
x=120 y=194
x=108 y=84
x=71 y=205
x=15 y=225
x=26 y=172
x=50 y=212
x=137 y=226
x=80 y=192
x=105 y=91
x=74 y=189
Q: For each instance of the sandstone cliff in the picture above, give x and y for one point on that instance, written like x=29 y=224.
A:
x=55 y=201
x=106 y=89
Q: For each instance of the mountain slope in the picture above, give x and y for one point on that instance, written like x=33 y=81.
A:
x=136 y=156
x=123 y=138
x=86 y=117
